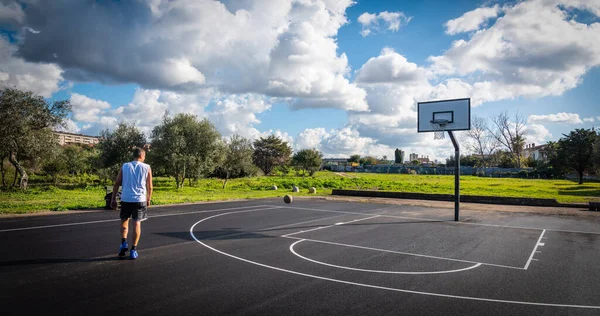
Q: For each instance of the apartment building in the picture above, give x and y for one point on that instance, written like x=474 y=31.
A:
x=69 y=138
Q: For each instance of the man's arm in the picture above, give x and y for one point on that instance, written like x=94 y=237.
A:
x=149 y=187
x=118 y=182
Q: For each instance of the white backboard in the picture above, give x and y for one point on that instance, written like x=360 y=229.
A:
x=457 y=112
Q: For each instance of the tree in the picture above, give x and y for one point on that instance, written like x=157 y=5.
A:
x=238 y=158
x=354 y=158
x=596 y=154
x=308 y=160
x=116 y=146
x=55 y=163
x=480 y=140
x=577 y=148
x=510 y=134
x=78 y=158
x=26 y=122
x=186 y=147
x=270 y=152
x=398 y=156
x=369 y=160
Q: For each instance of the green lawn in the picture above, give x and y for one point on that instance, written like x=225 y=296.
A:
x=61 y=199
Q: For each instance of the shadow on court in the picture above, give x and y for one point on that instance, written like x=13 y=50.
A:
x=57 y=261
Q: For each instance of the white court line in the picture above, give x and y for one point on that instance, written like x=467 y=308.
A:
x=405 y=253
x=377 y=271
x=359 y=213
x=310 y=230
x=273 y=228
x=118 y=219
x=450 y=222
x=534 y=249
x=375 y=286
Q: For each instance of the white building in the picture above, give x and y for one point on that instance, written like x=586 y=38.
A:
x=536 y=152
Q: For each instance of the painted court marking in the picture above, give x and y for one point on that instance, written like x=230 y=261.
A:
x=448 y=221
x=375 y=271
x=118 y=219
x=323 y=227
x=404 y=253
x=480 y=299
x=535 y=249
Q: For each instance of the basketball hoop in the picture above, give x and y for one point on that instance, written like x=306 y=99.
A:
x=438 y=126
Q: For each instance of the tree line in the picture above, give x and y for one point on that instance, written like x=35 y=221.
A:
x=502 y=143
x=183 y=146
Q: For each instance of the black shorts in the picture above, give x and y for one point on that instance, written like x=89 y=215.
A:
x=135 y=210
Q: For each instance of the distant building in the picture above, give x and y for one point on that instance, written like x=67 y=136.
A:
x=538 y=153
x=413 y=157
x=423 y=160
x=70 y=138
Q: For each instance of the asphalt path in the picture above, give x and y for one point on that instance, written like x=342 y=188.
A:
x=311 y=257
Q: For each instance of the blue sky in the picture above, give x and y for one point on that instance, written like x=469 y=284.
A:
x=338 y=76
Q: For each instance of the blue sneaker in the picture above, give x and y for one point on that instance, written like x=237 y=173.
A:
x=123 y=249
x=133 y=254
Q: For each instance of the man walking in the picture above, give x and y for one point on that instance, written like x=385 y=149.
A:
x=135 y=177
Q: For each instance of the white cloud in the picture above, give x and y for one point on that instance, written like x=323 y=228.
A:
x=537 y=134
x=69 y=127
x=237 y=115
x=87 y=110
x=471 y=20
x=145 y=110
x=11 y=12
x=567 y=118
x=310 y=138
x=390 y=21
x=390 y=67
x=278 y=48
x=536 y=49
x=40 y=78
x=589 y=119
x=342 y=142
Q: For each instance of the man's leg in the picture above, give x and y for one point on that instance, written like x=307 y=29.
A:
x=124 y=228
x=137 y=217
x=137 y=232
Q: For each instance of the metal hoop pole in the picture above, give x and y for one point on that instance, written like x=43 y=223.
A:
x=456 y=177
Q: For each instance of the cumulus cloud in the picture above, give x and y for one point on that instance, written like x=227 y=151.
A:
x=145 y=110
x=567 y=118
x=589 y=119
x=390 y=67
x=388 y=21
x=342 y=142
x=537 y=134
x=237 y=115
x=11 y=13
x=41 y=78
x=86 y=109
x=471 y=20
x=534 y=50
x=69 y=127
x=278 y=48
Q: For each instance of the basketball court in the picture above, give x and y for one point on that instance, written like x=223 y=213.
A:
x=307 y=257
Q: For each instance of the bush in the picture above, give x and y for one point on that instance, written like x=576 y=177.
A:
x=523 y=174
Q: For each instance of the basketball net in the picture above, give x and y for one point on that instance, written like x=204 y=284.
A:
x=438 y=127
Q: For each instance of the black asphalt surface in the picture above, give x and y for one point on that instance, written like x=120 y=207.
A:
x=311 y=257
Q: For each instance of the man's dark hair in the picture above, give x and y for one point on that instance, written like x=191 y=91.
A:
x=137 y=152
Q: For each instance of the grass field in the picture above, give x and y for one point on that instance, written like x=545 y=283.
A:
x=85 y=197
